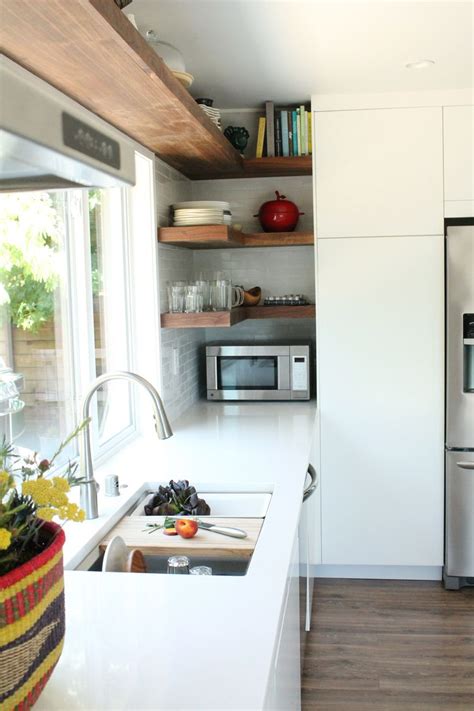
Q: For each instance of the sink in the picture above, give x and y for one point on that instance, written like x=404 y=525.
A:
x=225 y=555
x=224 y=504
x=157 y=564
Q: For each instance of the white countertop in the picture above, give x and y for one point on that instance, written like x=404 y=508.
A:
x=172 y=642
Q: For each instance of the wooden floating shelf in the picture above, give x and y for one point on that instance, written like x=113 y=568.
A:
x=277 y=167
x=223 y=237
x=226 y=319
x=259 y=312
x=208 y=319
x=89 y=50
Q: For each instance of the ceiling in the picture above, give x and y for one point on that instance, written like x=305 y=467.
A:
x=242 y=52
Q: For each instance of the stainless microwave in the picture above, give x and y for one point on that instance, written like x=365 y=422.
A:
x=258 y=372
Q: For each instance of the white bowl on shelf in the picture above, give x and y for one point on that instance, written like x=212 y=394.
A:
x=201 y=204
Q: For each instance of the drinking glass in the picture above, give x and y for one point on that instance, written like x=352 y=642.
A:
x=193 y=299
x=224 y=296
x=200 y=570
x=205 y=289
x=220 y=292
x=176 y=296
x=178 y=565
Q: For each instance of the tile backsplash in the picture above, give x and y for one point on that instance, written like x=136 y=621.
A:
x=180 y=363
x=282 y=270
x=276 y=270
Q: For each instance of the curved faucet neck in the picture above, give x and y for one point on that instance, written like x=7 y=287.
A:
x=162 y=427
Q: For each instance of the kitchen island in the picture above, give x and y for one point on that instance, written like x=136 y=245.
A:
x=176 y=642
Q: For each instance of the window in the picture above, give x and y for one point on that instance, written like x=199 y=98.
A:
x=33 y=297
x=66 y=311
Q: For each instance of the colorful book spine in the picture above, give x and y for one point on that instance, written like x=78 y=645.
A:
x=260 y=136
x=278 y=142
x=303 y=130
x=290 y=134
x=270 y=132
x=294 y=118
x=298 y=128
x=285 y=141
x=310 y=133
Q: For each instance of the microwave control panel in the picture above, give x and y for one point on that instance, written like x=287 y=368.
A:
x=299 y=373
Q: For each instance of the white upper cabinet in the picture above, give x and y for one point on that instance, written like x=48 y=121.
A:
x=458 y=123
x=379 y=172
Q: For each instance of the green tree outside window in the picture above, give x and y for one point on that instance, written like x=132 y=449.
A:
x=30 y=261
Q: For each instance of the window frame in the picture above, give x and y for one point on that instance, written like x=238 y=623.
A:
x=139 y=253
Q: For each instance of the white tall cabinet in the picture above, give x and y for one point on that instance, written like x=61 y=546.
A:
x=381 y=344
x=380 y=338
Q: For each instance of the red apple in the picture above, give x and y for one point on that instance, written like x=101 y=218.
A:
x=186 y=527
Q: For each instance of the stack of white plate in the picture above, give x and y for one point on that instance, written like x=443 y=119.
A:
x=201 y=212
x=214 y=115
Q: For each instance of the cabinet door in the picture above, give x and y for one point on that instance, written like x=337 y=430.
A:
x=381 y=397
x=284 y=689
x=379 y=172
x=458 y=124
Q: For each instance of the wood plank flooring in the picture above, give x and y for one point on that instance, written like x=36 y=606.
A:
x=386 y=645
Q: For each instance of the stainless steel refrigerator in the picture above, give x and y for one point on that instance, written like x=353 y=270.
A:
x=459 y=545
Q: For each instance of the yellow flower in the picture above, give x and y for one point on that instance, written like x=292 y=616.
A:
x=46 y=513
x=5 y=538
x=4 y=477
x=57 y=498
x=6 y=482
x=61 y=484
x=39 y=490
x=72 y=512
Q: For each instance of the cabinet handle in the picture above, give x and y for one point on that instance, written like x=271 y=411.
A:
x=309 y=491
x=465 y=465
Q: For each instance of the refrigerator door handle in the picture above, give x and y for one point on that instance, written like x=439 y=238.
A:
x=465 y=465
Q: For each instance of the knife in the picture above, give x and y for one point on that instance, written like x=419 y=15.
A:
x=224 y=530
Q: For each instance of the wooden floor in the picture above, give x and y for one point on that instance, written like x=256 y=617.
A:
x=389 y=646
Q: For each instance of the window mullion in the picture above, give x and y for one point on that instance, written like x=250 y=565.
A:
x=82 y=318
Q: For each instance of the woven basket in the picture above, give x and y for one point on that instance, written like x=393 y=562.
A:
x=31 y=624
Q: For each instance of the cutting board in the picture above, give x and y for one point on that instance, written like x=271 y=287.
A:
x=205 y=543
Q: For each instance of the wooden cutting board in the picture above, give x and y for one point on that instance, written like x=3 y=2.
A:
x=211 y=545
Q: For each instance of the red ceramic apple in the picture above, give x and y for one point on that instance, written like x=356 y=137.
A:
x=280 y=215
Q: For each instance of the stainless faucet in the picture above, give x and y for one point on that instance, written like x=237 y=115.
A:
x=162 y=426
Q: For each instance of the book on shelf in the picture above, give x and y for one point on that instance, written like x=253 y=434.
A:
x=260 y=136
x=270 y=132
x=278 y=146
x=290 y=134
x=285 y=143
x=284 y=131
x=294 y=118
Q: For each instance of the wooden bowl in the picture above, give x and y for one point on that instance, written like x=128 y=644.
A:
x=252 y=296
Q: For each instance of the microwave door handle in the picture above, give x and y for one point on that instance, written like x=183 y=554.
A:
x=211 y=367
x=465 y=465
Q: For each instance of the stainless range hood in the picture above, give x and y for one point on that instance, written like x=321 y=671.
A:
x=48 y=141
